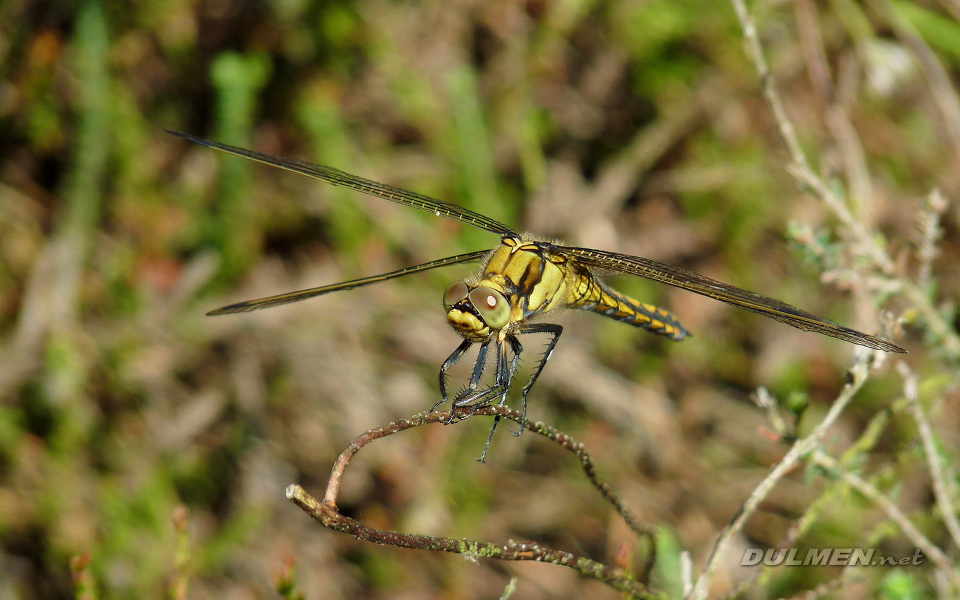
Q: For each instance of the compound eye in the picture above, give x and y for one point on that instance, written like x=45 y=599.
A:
x=454 y=293
x=492 y=306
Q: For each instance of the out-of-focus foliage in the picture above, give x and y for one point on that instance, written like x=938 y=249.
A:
x=144 y=448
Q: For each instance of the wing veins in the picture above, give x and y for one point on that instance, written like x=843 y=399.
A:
x=705 y=286
x=633 y=265
x=365 y=186
x=289 y=297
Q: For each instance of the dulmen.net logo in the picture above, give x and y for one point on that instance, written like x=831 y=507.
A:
x=832 y=557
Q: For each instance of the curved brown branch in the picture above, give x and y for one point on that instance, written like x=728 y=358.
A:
x=326 y=511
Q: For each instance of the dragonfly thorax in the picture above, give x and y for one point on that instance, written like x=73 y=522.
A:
x=476 y=311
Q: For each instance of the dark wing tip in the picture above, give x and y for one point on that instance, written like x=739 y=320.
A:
x=889 y=347
x=233 y=309
x=869 y=341
x=191 y=138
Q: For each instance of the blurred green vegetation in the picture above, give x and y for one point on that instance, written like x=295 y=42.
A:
x=144 y=448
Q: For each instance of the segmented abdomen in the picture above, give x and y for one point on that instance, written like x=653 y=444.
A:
x=594 y=296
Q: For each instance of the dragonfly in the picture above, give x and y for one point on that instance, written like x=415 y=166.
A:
x=525 y=278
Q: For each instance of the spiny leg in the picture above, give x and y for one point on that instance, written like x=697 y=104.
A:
x=516 y=348
x=473 y=398
x=554 y=332
x=469 y=393
x=453 y=358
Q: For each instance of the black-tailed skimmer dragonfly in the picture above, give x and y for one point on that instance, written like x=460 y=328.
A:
x=524 y=278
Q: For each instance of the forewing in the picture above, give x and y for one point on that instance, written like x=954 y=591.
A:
x=359 y=184
x=289 y=297
x=687 y=280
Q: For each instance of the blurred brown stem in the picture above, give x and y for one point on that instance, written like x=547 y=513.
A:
x=944 y=96
x=326 y=511
x=801 y=448
x=862 y=238
x=871 y=493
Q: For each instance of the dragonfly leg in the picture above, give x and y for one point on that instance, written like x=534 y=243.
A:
x=517 y=349
x=469 y=394
x=471 y=397
x=453 y=358
x=554 y=332
x=504 y=377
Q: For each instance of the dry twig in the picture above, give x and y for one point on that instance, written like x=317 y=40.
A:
x=937 y=475
x=803 y=447
x=326 y=511
x=870 y=492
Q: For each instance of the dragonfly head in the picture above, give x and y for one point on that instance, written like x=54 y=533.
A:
x=475 y=310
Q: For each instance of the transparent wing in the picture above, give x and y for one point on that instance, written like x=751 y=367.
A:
x=359 y=184
x=289 y=297
x=687 y=280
